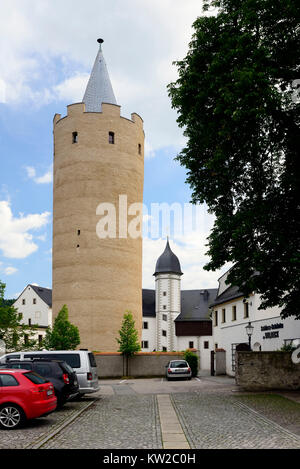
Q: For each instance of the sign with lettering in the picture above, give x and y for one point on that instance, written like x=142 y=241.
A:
x=272 y=327
x=273 y=334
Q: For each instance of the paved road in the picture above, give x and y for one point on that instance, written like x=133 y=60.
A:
x=125 y=415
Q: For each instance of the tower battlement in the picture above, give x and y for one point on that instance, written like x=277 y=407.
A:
x=108 y=110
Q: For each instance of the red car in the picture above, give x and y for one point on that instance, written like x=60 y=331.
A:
x=24 y=395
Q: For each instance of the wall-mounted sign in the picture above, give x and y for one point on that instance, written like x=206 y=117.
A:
x=271 y=335
x=272 y=327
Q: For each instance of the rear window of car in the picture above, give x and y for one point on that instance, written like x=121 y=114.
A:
x=92 y=360
x=43 y=369
x=19 y=366
x=34 y=377
x=65 y=367
x=178 y=364
x=8 y=380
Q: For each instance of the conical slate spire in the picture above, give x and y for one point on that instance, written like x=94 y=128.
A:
x=168 y=262
x=99 y=89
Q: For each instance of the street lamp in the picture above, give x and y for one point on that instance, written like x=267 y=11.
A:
x=249 y=329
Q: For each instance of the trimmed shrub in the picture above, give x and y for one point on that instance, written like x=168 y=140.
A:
x=192 y=360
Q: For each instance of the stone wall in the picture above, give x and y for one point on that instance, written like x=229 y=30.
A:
x=257 y=371
x=110 y=365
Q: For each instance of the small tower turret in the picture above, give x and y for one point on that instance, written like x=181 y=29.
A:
x=168 y=295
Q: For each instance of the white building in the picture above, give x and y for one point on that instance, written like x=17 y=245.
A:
x=175 y=320
x=34 y=306
x=232 y=312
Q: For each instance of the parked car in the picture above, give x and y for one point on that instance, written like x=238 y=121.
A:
x=178 y=369
x=58 y=372
x=82 y=361
x=24 y=395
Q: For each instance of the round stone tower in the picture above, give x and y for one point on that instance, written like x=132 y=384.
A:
x=98 y=157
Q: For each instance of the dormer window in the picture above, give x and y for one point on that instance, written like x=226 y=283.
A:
x=111 y=137
x=75 y=137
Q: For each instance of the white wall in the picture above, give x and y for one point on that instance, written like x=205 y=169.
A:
x=204 y=354
x=39 y=313
x=149 y=334
x=234 y=332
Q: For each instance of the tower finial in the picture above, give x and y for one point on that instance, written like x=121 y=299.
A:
x=99 y=89
x=100 y=41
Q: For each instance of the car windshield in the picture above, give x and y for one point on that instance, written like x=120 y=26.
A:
x=178 y=364
x=35 y=378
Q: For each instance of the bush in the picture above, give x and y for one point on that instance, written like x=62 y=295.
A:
x=192 y=360
x=287 y=348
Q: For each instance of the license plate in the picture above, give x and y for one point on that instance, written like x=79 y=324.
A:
x=49 y=392
x=180 y=371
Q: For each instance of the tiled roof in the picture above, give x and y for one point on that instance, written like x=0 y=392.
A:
x=230 y=293
x=44 y=293
x=195 y=304
x=148 y=303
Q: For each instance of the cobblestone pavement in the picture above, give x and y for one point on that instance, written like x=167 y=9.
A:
x=36 y=429
x=221 y=421
x=124 y=415
x=282 y=410
x=121 y=421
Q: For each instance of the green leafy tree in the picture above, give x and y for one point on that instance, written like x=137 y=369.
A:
x=64 y=335
x=238 y=102
x=192 y=360
x=16 y=336
x=128 y=340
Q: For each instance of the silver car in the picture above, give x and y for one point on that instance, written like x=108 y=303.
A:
x=82 y=361
x=178 y=369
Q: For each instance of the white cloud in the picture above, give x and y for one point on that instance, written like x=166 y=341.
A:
x=145 y=39
x=45 y=179
x=30 y=172
x=16 y=241
x=71 y=89
x=42 y=237
x=10 y=270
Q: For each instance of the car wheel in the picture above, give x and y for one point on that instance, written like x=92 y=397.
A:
x=11 y=417
x=61 y=400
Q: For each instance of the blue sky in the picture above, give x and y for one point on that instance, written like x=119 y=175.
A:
x=46 y=62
